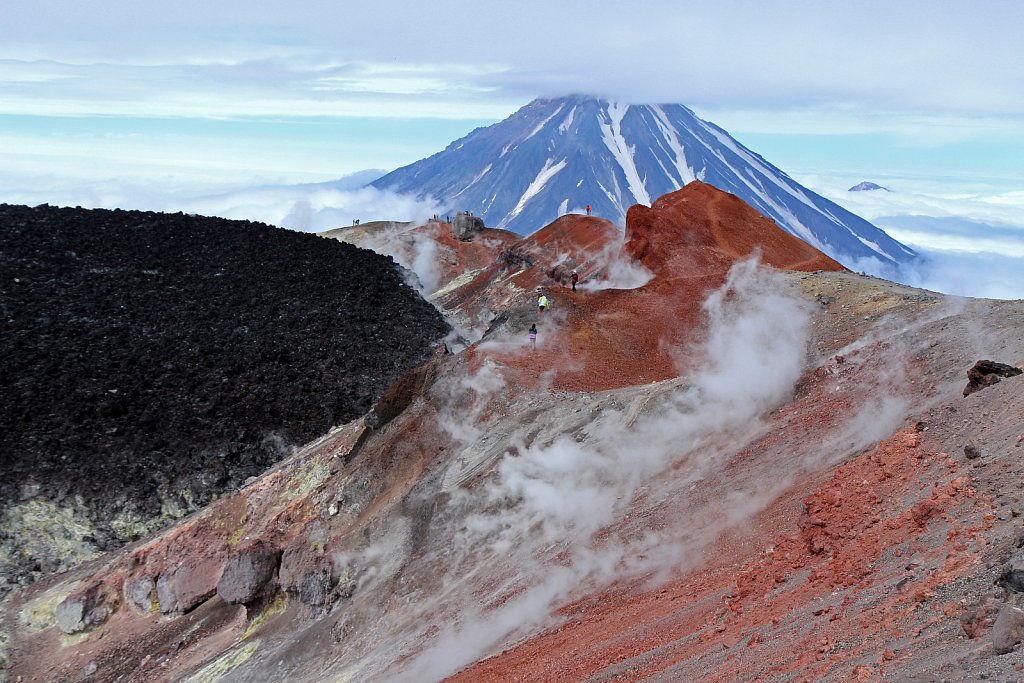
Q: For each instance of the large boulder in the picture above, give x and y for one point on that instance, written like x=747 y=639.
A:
x=247 y=574
x=188 y=585
x=315 y=587
x=466 y=226
x=82 y=610
x=138 y=592
x=985 y=373
x=1008 y=629
x=1013 y=578
x=979 y=617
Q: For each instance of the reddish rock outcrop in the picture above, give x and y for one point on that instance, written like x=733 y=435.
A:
x=688 y=240
x=985 y=373
x=701 y=230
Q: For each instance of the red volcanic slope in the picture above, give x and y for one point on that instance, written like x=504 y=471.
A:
x=813 y=606
x=460 y=256
x=582 y=236
x=524 y=264
x=700 y=228
x=613 y=338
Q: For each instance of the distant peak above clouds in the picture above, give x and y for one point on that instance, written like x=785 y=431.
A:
x=561 y=155
x=866 y=186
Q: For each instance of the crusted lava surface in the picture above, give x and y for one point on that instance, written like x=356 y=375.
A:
x=154 y=361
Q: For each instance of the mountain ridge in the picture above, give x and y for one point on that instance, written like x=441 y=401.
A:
x=560 y=155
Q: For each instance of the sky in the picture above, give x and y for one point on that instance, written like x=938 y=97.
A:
x=197 y=105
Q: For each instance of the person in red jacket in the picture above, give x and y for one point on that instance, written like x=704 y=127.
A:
x=575 y=279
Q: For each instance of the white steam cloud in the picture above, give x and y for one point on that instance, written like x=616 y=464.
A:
x=561 y=491
x=615 y=270
x=425 y=262
x=596 y=488
x=306 y=208
x=414 y=246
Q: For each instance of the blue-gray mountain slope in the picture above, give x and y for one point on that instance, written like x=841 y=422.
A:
x=556 y=156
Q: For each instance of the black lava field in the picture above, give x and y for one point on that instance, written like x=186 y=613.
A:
x=144 y=355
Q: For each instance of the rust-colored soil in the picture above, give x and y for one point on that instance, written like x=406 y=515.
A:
x=611 y=338
x=842 y=534
x=701 y=228
x=838 y=593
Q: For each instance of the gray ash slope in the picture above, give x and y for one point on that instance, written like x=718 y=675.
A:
x=558 y=155
x=150 y=361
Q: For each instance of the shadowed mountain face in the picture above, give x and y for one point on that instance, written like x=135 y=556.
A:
x=151 y=362
x=555 y=156
x=724 y=457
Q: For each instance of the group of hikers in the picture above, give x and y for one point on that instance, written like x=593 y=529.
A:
x=542 y=303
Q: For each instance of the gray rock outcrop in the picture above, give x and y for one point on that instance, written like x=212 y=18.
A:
x=81 y=610
x=1008 y=629
x=188 y=585
x=247 y=574
x=138 y=593
x=466 y=226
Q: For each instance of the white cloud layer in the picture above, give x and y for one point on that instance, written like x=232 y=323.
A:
x=991 y=201
x=308 y=208
x=930 y=77
x=229 y=58
x=975 y=274
x=969 y=233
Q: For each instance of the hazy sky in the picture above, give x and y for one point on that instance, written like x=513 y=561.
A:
x=116 y=102
x=381 y=76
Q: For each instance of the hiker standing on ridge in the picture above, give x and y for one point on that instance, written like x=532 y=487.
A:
x=575 y=279
x=533 y=336
x=542 y=301
x=588 y=209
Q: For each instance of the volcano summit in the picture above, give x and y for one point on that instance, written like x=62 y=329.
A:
x=557 y=156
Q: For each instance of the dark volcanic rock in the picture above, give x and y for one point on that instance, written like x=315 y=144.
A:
x=1013 y=578
x=985 y=373
x=247 y=573
x=149 y=362
x=315 y=587
x=972 y=452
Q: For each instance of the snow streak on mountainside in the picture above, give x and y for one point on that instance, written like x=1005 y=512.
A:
x=560 y=155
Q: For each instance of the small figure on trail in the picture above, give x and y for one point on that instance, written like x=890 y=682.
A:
x=589 y=209
x=575 y=279
x=542 y=301
x=533 y=336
